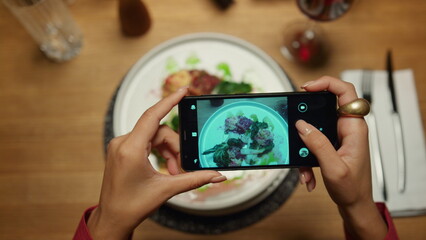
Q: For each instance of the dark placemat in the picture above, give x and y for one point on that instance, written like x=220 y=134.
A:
x=185 y=222
x=178 y=220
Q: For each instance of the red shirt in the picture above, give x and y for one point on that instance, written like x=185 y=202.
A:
x=82 y=232
x=391 y=235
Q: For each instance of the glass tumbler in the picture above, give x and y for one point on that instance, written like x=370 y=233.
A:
x=51 y=25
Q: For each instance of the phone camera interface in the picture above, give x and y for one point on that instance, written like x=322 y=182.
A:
x=243 y=132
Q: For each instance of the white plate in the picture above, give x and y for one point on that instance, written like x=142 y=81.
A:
x=141 y=88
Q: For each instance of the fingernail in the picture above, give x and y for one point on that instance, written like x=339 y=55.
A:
x=218 y=179
x=310 y=186
x=306 y=84
x=302 y=178
x=303 y=127
x=183 y=88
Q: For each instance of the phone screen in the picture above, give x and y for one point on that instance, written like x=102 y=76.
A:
x=251 y=130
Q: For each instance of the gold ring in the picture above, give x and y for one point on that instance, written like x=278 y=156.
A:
x=357 y=108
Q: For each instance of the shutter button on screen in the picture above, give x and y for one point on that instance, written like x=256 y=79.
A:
x=302 y=107
x=303 y=152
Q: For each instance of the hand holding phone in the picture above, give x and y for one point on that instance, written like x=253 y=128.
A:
x=252 y=131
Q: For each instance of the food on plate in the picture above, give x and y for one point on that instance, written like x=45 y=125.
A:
x=175 y=81
x=248 y=140
x=199 y=81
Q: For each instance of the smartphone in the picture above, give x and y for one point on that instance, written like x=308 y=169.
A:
x=252 y=131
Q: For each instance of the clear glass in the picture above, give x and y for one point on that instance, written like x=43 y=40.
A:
x=51 y=25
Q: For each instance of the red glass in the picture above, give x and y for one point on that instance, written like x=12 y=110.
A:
x=304 y=41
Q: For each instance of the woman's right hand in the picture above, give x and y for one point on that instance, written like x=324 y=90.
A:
x=346 y=171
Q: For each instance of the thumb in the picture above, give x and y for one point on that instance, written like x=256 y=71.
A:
x=192 y=180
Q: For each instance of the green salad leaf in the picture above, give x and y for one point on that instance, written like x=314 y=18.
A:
x=221 y=157
x=256 y=126
x=226 y=71
x=235 y=142
x=192 y=61
x=254 y=118
x=269 y=122
x=215 y=148
x=227 y=87
x=171 y=65
x=173 y=123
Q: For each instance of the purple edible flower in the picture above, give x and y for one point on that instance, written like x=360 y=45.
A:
x=239 y=124
x=243 y=124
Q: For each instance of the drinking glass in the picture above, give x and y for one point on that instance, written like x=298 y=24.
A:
x=51 y=25
x=304 y=41
x=324 y=10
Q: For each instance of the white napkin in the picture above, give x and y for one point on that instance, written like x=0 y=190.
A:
x=413 y=200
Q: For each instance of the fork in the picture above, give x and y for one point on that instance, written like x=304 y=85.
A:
x=375 y=154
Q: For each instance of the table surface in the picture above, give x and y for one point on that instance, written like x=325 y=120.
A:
x=51 y=124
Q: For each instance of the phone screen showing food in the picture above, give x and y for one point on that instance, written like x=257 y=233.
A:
x=249 y=131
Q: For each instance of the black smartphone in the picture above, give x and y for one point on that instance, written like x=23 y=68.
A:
x=252 y=131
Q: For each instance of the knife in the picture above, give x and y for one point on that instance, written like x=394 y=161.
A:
x=399 y=141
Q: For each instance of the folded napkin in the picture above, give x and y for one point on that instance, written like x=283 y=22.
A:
x=413 y=200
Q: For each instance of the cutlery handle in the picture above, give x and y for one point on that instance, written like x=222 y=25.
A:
x=376 y=154
x=400 y=151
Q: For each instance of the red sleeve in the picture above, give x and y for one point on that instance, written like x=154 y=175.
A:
x=391 y=235
x=82 y=232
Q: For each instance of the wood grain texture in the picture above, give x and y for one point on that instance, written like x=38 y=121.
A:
x=51 y=124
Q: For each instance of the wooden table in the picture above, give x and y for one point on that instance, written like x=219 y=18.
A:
x=52 y=115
